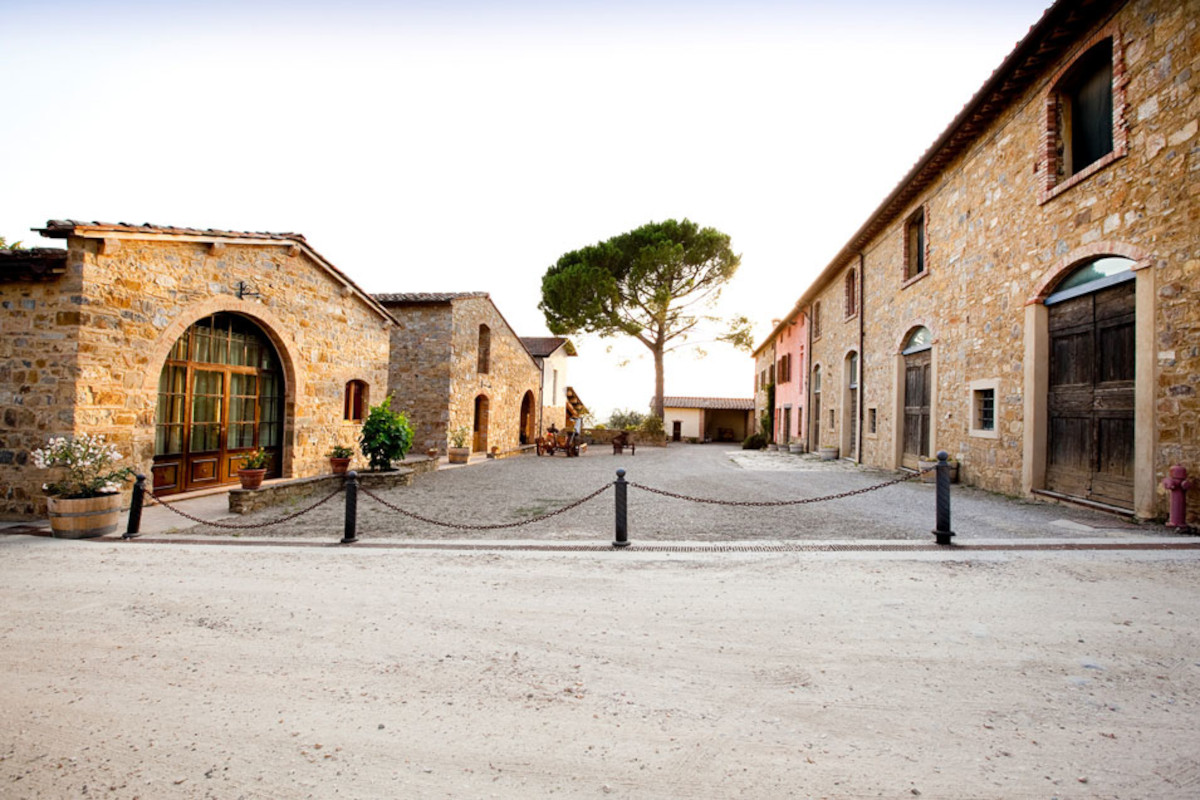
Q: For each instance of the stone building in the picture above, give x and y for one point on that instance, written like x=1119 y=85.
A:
x=708 y=419
x=456 y=362
x=1024 y=298
x=187 y=348
x=550 y=353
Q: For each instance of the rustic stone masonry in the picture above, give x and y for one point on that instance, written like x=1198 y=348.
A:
x=437 y=375
x=82 y=352
x=1000 y=233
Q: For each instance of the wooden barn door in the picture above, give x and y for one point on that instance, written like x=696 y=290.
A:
x=1091 y=397
x=916 y=407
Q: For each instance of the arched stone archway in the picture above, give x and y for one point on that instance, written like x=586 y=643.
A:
x=220 y=395
x=1089 y=392
x=528 y=419
x=482 y=415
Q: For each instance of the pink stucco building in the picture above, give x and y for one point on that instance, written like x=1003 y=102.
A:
x=787 y=343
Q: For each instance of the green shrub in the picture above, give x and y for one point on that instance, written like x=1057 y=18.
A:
x=652 y=425
x=386 y=435
x=755 y=441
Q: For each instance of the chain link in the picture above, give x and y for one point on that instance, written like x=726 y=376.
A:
x=498 y=526
x=252 y=526
x=769 y=503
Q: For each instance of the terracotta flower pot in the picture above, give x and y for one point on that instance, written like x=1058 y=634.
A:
x=84 y=517
x=251 y=478
x=338 y=465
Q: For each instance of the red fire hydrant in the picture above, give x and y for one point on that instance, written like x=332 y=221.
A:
x=1177 y=484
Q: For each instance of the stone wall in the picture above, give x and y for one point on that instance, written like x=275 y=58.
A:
x=39 y=364
x=511 y=373
x=997 y=242
x=419 y=371
x=107 y=326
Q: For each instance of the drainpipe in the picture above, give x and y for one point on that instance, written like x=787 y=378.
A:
x=862 y=361
x=808 y=384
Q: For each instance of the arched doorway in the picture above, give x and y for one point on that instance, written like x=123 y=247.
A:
x=482 y=406
x=850 y=421
x=528 y=433
x=1090 y=397
x=917 y=355
x=220 y=395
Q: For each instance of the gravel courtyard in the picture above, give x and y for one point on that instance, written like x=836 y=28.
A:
x=516 y=489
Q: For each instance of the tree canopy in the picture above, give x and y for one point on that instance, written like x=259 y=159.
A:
x=652 y=283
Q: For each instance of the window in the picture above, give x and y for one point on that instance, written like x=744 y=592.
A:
x=914 y=245
x=771 y=374
x=983 y=409
x=871 y=421
x=554 y=388
x=485 y=348
x=355 y=408
x=785 y=368
x=816 y=321
x=1085 y=115
x=851 y=293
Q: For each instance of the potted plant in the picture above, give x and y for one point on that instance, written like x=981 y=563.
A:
x=828 y=453
x=339 y=459
x=929 y=462
x=386 y=436
x=254 y=468
x=459 y=452
x=87 y=501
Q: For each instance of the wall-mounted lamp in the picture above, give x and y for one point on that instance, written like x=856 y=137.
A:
x=245 y=290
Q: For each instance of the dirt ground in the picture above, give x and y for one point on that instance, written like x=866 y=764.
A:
x=240 y=670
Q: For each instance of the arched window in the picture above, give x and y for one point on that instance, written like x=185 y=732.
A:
x=851 y=292
x=1093 y=276
x=920 y=339
x=355 y=407
x=485 y=348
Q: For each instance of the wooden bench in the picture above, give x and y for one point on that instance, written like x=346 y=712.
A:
x=621 y=441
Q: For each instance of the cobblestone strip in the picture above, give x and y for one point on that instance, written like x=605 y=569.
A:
x=770 y=503
x=467 y=527
x=251 y=526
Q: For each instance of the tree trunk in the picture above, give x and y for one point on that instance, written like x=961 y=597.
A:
x=656 y=407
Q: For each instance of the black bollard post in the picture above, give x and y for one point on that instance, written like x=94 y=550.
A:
x=350 y=530
x=622 y=539
x=943 y=532
x=134 y=528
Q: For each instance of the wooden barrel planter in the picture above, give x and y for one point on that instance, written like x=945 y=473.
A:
x=84 y=517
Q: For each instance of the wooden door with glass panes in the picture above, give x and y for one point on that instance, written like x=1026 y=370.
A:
x=220 y=397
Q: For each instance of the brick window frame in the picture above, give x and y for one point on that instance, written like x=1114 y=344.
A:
x=908 y=275
x=354 y=405
x=1051 y=158
x=850 y=294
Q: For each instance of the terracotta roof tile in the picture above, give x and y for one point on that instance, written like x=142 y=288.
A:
x=413 y=298
x=710 y=403
x=61 y=228
x=542 y=346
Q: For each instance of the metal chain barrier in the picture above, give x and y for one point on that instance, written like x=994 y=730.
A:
x=768 y=503
x=498 y=526
x=251 y=526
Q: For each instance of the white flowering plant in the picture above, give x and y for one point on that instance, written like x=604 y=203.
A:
x=87 y=463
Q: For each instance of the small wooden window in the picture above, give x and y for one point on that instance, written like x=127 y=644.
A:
x=1085 y=110
x=914 y=245
x=355 y=409
x=816 y=321
x=485 y=349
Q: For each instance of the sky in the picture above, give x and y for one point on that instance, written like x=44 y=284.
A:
x=465 y=146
